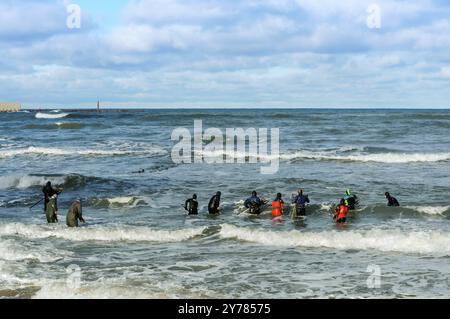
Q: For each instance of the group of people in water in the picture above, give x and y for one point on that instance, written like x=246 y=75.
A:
x=254 y=205
x=74 y=214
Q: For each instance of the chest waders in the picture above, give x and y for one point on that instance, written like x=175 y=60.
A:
x=50 y=211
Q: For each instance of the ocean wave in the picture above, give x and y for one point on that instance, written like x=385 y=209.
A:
x=346 y=154
x=68 y=152
x=71 y=181
x=40 y=115
x=102 y=290
x=27 y=181
x=412 y=211
x=119 y=287
x=12 y=251
x=394 y=158
x=103 y=234
x=430 y=210
x=377 y=209
x=118 y=202
x=382 y=240
x=55 y=126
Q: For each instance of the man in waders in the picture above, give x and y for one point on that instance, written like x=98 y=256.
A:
x=51 y=197
x=75 y=214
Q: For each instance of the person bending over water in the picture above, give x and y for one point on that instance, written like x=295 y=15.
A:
x=341 y=212
x=51 y=211
x=254 y=203
x=392 y=201
x=278 y=206
x=300 y=202
x=191 y=205
x=75 y=214
x=214 y=204
x=351 y=200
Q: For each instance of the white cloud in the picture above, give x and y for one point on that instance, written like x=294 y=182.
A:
x=445 y=72
x=157 y=11
x=305 y=52
x=29 y=18
x=143 y=38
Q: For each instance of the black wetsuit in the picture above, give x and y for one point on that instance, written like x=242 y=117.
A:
x=191 y=206
x=48 y=193
x=254 y=204
x=352 y=201
x=392 y=201
x=300 y=202
x=214 y=204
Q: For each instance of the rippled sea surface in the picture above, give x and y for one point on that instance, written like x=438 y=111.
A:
x=138 y=243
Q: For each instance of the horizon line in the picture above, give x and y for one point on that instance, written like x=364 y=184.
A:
x=237 y=108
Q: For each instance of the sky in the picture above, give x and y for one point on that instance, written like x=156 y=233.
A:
x=225 y=54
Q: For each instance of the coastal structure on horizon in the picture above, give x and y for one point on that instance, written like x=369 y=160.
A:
x=10 y=107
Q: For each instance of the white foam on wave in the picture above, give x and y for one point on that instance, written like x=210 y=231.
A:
x=40 y=115
x=120 y=202
x=326 y=207
x=393 y=158
x=58 y=290
x=382 y=240
x=106 y=234
x=120 y=288
x=430 y=210
x=26 y=181
x=66 y=152
x=13 y=251
x=123 y=200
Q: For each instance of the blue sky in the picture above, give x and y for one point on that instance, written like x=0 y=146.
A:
x=214 y=53
x=106 y=13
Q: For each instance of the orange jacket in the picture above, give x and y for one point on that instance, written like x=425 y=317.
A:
x=277 y=208
x=341 y=212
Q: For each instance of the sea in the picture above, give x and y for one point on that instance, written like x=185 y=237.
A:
x=137 y=241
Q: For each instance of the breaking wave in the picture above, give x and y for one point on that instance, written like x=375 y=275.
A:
x=118 y=202
x=430 y=210
x=71 y=181
x=40 y=115
x=383 y=240
x=27 y=181
x=12 y=251
x=343 y=154
x=67 y=152
x=394 y=158
x=105 y=234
